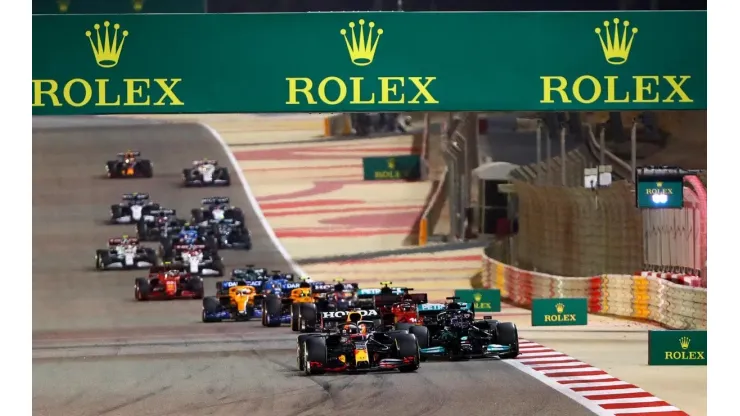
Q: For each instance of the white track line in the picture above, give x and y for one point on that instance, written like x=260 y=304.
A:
x=253 y=201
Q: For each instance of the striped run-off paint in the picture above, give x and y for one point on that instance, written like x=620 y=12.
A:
x=614 y=396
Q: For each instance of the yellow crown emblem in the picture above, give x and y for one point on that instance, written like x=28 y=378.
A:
x=478 y=297
x=362 y=50
x=107 y=50
x=616 y=48
x=138 y=5
x=684 y=341
x=386 y=283
x=560 y=307
x=391 y=163
x=659 y=184
x=63 y=5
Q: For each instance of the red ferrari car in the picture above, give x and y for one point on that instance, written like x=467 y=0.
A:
x=168 y=282
x=400 y=309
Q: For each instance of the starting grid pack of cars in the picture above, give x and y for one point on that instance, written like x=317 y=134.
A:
x=341 y=326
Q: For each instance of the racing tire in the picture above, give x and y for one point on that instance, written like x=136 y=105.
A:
x=197 y=216
x=211 y=304
x=111 y=168
x=186 y=177
x=115 y=212
x=407 y=345
x=196 y=286
x=146 y=168
x=218 y=265
x=295 y=317
x=422 y=335
x=142 y=230
x=101 y=257
x=301 y=351
x=507 y=334
x=226 y=177
x=403 y=326
x=165 y=249
x=308 y=317
x=314 y=352
x=142 y=290
x=238 y=215
x=272 y=310
x=151 y=256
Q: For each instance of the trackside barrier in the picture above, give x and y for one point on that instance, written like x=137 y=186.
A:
x=434 y=204
x=645 y=297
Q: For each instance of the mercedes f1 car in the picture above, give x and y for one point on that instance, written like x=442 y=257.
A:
x=134 y=207
x=234 y=301
x=206 y=173
x=456 y=334
x=165 y=225
x=356 y=346
x=198 y=261
x=250 y=272
x=124 y=253
x=230 y=233
x=216 y=208
x=168 y=282
x=128 y=165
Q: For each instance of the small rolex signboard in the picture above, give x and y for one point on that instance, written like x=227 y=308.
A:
x=667 y=347
x=483 y=300
x=559 y=312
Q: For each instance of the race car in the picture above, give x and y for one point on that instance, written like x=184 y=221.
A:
x=133 y=208
x=197 y=261
x=216 y=208
x=168 y=282
x=400 y=309
x=165 y=224
x=124 y=253
x=206 y=172
x=312 y=319
x=456 y=334
x=250 y=272
x=128 y=165
x=357 y=346
x=229 y=233
x=234 y=301
x=187 y=235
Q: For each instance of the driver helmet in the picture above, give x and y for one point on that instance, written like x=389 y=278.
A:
x=351 y=329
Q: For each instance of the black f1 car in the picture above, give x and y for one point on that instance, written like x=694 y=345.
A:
x=125 y=253
x=216 y=208
x=128 y=165
x=456 y=334
x=134 y=207
x=230 y=233
x=206 y=173
x=357 y=346
x=164 y=224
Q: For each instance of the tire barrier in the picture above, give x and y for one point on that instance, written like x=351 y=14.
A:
x=648 y=296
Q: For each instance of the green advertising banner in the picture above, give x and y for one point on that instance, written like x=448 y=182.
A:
x=559 y=312
x=668 y=347
x=117 y=6
x=659 y=194
x=364 y=61
x=404 y=167
x=484 y=300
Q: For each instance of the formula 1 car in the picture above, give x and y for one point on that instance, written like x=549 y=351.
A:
x=399 y=310
x=312 y=319
x=133 y=208
x=187 y=235
x=124 y=253
x=230 y=233
x=250 y=272
x=196 y=260
x=456 y=334
x=165 y=224
x=127 y=165
x=206 y=173
x=234 y=301
x=216 y=208
x=168 y=282
x=356 y=346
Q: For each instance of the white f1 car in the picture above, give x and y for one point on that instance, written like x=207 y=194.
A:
x=206 y=172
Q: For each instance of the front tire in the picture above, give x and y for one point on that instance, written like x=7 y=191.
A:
x=142 y=289
x=314 y=352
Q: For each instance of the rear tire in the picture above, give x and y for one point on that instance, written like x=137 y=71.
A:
x=141 y=289
x=272 y=310
x=295 y=317
x=403 y=326
x=196 y=286
x=211 y=305
x=308 y=316
x=408 y=346
x=146 y=168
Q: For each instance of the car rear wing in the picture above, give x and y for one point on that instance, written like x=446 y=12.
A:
x=205 y=162
x=135 y=196
x=135 y=153
x=162 y=212
x=215 y=200
x=343 y=316
x=369 y=293
x=112 y=242
x=190 y=247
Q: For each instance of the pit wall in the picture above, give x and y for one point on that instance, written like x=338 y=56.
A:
x=643 y=297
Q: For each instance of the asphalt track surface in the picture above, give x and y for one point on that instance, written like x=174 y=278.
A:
x=99 y=352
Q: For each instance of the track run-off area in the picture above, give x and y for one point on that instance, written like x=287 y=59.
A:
x=99 y=352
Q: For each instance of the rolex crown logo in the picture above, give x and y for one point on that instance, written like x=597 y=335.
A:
x=107 y=50
x=362 y=50
x=560 y=307
x=391 y=163
x=63 y=5
x=138 y=5
x=659 y=184
x=616 y=47
x=684 y=341
x=478 y=297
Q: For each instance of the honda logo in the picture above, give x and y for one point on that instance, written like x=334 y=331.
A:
x=344 y=314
